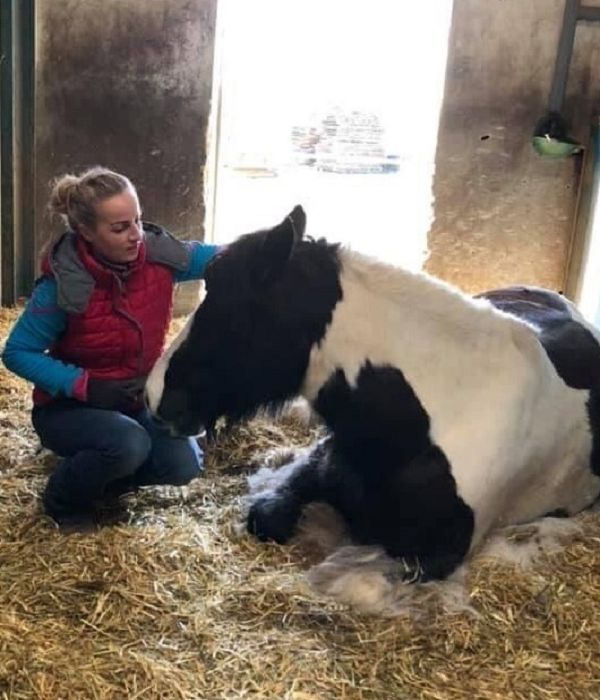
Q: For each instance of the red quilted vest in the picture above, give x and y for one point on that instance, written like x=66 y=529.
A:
x=121 y=332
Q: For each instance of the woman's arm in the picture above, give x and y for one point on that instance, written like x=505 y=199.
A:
x=200 y=256
x=37 y=328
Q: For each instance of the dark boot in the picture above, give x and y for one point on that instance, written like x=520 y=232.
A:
x=121 y=487
x=65 y=511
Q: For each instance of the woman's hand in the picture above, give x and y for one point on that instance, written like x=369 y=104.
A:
x=115 y=394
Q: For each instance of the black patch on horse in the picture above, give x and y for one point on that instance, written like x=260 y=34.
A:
x=571 y=347
x=393 y=486
x=531 y=295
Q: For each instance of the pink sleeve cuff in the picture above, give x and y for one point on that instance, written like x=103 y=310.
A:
x=79 y=389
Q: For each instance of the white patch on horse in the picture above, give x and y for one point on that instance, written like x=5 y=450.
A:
x=155 y=383
x=516 y=436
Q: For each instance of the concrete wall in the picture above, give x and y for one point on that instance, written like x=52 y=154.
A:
x=127 y=85
x=502 y=213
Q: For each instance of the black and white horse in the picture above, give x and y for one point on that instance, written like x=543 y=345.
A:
x=447 y=415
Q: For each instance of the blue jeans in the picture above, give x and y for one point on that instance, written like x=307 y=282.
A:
x=102 y=447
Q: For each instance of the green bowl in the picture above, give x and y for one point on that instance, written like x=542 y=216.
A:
x=551 y=148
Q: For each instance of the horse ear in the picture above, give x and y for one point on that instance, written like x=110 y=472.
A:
x=297 y=217
x=278 y=246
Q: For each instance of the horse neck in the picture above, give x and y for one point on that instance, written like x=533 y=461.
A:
x=410 y=321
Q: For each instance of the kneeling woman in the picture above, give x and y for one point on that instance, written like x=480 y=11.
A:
x=92 y=330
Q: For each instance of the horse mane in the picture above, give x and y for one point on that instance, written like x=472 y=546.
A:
x=396 y=284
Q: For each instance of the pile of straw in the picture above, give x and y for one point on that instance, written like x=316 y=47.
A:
x=174 y=603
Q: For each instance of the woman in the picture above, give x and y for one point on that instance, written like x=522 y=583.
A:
x=92 y=330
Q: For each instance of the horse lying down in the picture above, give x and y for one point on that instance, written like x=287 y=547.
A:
x=447 y=415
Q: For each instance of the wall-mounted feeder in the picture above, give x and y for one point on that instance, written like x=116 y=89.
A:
x=550 y=138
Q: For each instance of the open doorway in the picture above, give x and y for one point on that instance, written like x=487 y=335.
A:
x=583 y=271
x=333 y=105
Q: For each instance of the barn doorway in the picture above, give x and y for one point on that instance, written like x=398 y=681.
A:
x=583 y=272
x=334 y=106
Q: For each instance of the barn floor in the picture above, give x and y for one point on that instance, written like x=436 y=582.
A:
x=174 y=603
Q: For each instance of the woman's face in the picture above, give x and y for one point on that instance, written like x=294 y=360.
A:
x=118 y=232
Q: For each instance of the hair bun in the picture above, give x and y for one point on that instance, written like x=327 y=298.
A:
x=62 y=190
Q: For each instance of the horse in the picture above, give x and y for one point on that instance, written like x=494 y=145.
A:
x=446 y=415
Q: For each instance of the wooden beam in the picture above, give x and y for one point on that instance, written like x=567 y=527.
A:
x=17 y=265
x=7 y=204
x=24 y=114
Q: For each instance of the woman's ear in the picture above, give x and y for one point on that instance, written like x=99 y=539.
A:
x=86 y=233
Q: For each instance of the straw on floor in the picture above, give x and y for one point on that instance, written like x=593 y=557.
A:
x=175 y=603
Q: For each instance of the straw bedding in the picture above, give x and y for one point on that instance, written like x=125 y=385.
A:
x=170 y=600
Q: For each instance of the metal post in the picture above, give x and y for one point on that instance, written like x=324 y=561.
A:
x=563 y=56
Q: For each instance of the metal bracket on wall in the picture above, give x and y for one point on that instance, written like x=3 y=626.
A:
x=17 y=265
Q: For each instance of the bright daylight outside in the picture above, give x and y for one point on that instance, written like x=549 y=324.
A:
x=322 y=104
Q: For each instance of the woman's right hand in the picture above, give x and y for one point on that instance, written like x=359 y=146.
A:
x=115 y=394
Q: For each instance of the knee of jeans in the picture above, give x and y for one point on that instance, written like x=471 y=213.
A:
x=131 y=450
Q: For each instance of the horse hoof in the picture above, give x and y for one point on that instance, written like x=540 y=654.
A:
x=273 y=517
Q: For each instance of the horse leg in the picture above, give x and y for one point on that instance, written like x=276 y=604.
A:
x=413 y=512
x=275 y=514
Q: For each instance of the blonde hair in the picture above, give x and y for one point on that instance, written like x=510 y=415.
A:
x=74 y=197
